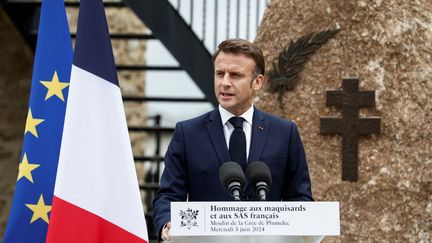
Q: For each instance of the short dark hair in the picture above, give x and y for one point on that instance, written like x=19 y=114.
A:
x=241 y=46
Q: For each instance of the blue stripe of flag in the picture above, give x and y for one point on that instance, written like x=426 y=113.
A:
x=53 y=55
x=93 y=50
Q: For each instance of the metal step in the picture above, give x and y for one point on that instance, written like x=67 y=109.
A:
x=148 y=158
x=123 y=67
x=149 y=186
x=139 y=99
x=151 y=129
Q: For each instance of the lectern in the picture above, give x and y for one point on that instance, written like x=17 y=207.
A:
x=268 y=222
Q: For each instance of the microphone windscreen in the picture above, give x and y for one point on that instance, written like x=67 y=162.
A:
x=229 y=172
x=258 y=171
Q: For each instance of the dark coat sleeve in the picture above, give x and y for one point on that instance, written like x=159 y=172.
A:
x=297 y=180
x=173 y=184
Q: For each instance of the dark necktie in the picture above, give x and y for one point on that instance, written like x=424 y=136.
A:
x=237 y=143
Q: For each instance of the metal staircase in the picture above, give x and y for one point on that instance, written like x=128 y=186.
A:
x=175 y=28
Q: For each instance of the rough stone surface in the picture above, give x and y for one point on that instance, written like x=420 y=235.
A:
x=14 y=82
x=120 y=20
x=387 y=45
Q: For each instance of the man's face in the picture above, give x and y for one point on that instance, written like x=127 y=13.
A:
x=234 y=81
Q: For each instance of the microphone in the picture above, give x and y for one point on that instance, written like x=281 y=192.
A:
x=260 y=179
x=232 y=178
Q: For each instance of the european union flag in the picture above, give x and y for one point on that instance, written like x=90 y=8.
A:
x=29 y=216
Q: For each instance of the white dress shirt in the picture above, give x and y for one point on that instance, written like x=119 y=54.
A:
x=228 y=128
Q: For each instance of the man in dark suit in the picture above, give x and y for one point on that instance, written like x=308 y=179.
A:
x=199 y=146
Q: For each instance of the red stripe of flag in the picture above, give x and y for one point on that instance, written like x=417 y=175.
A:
x=71 y=224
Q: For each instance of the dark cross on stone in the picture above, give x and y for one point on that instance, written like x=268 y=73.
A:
x=350 y=126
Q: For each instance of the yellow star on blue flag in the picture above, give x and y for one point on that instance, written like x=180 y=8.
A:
x=55 y=87
x=31 y=124
x=29 y=215
x=40 y=210
x=25 y=169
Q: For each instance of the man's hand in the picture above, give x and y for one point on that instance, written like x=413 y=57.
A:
x=165 y=232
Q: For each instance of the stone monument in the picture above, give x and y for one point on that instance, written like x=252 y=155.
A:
x=382 y=54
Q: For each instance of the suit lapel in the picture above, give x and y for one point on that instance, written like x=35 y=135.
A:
x=215 y=129
x=259 y=136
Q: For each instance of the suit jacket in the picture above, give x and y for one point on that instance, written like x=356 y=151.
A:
x=198 y=149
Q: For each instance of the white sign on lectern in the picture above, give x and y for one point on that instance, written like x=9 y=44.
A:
x=254 y=220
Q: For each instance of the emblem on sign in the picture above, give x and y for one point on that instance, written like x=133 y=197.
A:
x=188 y=218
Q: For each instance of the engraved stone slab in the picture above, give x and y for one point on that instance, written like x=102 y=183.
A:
x=387 y=45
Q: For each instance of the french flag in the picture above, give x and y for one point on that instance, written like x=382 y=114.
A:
x=96 y=195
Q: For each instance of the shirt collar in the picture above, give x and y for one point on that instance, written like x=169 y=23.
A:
x=226 y=115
